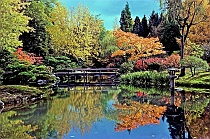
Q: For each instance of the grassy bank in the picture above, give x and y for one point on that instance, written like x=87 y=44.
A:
x=198 y=83
x=18 y=94
x=19 y=89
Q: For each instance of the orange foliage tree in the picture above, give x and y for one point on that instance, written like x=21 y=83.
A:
x=137 y=114
x=136 y=47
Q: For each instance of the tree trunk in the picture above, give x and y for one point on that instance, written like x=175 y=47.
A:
x=182 y=54
x=191 y=71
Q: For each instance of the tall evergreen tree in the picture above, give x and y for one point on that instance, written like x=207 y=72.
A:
x=126 y=20
x=154 y=22
x=145 y=26
x=137 y=27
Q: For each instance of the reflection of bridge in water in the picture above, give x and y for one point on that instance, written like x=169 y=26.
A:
x=87 y=77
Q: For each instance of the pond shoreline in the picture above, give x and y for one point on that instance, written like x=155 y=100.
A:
x=15 y=96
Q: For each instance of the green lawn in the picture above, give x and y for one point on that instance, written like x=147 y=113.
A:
x=199 y=82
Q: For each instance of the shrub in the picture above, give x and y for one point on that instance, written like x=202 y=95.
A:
x=154 y=63
x=126 y=67
x=144 y=78
x=172 y=61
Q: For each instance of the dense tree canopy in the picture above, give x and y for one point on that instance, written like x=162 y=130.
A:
x=76 y=32
x=37 y=41
x=13 y=23
x=136 y=47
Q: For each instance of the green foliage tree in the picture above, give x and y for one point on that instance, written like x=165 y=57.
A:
x=37 y=41
x=194 y=63
x=60 y=62
x=13 y=23
x=126 y=20
x=168 y=35
x=108 y=44
x=20 y=72
x=126 y=67
x=193 y=49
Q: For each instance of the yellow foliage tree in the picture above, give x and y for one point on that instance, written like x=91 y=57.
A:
x=75 y=32
x=200 y=33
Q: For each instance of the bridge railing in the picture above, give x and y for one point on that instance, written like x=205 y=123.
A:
x=76 y=76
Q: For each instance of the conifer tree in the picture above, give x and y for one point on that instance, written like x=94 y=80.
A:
x=145 y=26
x=154 y=22
x=137 y=27
x=126 y=20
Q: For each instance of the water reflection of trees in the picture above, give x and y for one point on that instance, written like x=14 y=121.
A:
x=187 y=113
x=78 y=111
x=135 y=114
x=14 y=129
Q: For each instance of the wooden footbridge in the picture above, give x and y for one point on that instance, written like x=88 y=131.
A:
x=87 y=77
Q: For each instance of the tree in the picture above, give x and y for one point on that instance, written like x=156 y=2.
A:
x=37 y=41
x=154 y=24
x=135 y=47
x=13 y=23
x=137 y=27
x=186 y=14
x=75 y=33
x=145 y=27
x=108 y=44
x=193 y=63
x=126 y=20
x=168 y=34
x=200 y=33
x=193 y=49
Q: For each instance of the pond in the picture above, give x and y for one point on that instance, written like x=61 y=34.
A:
x=111 y=113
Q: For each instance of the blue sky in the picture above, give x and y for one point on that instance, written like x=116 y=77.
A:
x=110 y=10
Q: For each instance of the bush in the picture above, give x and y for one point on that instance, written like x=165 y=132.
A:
x=144 y=78
x=126 y=67
x=154 y=63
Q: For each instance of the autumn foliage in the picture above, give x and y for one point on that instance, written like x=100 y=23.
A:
x=172 y=61
x=27 y=57
x=136 y=47
x=168 y=62
x=138 y=115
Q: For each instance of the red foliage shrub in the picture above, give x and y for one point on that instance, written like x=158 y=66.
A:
x=28 y=57
x=140 y=65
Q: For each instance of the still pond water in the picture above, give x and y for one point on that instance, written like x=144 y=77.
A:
x=111 y=113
